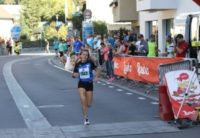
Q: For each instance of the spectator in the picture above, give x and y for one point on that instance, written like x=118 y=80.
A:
x=77 y=45
x=9 y=46
x=90 y=40
x=61 y=48
x=105 y=53
x=152 y=47
x=181 y=47
x=131 y=48
x=111 y=41
x=142 y=47
x=56 y=46
x=169 y=46
x=47 y=46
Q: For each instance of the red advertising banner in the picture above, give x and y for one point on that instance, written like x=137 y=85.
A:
x=184 y=93
x=143 y=69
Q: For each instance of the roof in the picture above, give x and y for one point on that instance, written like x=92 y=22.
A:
x=4 y=14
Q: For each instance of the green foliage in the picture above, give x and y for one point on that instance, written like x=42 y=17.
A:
x=30 y=16
x=100 y=27
x=77 y=21
x=35 y=11
x=51 y=32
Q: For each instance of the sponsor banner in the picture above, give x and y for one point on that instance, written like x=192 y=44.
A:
x=143 y=69
x=179 y=83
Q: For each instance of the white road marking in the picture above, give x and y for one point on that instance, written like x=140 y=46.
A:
x=154 y=103
x=128 y=93
x=103 y=84
x=33 y=118
x=119 y=90
x=111 y=86
x=141 y=98
x=50 y=106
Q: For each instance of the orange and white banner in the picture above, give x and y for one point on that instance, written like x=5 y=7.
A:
x=143 y=69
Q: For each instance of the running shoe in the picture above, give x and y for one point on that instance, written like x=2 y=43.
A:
x=111 y=79
x=86 y=122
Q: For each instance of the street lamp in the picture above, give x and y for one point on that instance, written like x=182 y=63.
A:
x=57 y=24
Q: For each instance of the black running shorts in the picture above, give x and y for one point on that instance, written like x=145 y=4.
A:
x=88 y=86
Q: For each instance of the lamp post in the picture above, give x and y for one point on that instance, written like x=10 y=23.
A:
x=57 y=25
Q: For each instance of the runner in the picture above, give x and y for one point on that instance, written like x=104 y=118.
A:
x=84 y=70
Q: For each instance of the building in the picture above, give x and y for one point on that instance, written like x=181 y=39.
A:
x=101 y=11
x=164 y=18
x=9 y=15
x=157 y=17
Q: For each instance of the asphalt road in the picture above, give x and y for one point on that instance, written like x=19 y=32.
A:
x=116 y=112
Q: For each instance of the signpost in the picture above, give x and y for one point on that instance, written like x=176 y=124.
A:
x=15 y=32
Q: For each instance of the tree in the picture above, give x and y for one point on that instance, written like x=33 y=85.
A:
x=51 y=32
x=35 y=11
x=31 y=15
x=100 y=27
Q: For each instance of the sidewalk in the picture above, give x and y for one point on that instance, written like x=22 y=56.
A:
x=144 y=89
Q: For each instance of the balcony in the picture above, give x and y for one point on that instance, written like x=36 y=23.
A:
x=124 y=10
x=156 y=5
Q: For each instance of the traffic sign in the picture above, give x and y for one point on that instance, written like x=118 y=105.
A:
x=15 y=32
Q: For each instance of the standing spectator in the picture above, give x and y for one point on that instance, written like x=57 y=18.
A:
x=56 y=46
x=9 y=46
x=152 y=47
x=84 y=70
x=131 y=48
x=121 y=48
x=104 y=53
x=169 y=46
x=181 y=46
x=17 y=47
x=77 y=45
x=90 y=40
x=47 y=46
x=110 y=63
x=142 y=47
x=61 y=49
x=111 y=41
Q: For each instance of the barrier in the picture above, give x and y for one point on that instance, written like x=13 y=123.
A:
x=143 y=69
x=165 y=108
x=164 y=68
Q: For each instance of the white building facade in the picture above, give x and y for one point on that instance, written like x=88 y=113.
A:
x=164 y=18
x=102 y=11
x=9 y=14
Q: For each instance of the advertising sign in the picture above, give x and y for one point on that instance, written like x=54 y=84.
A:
x=15 y=32
x=88 y=29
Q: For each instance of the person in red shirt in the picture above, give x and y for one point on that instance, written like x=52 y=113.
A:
x=181 y=47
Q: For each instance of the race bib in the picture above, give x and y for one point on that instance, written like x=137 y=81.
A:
x=84 y=72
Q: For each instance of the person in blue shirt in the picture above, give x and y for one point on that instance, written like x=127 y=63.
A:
x=77 y=45
x=90 y=40
x=111 y=41
x=84 y=71
x=56 y=46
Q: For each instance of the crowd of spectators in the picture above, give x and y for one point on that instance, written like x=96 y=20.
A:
x=103 y=48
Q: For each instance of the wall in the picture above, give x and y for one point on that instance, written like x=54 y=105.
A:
x=5 y=27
